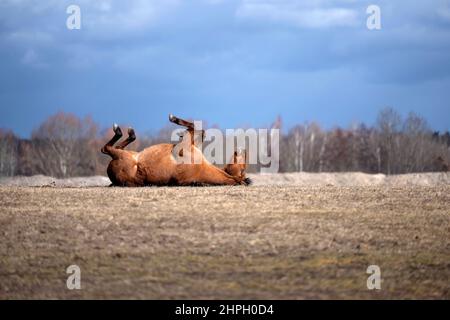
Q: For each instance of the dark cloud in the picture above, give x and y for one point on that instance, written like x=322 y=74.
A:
x=223 y=61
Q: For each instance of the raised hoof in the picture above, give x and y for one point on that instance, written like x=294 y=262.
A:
x=117 y=129
x=131 y=133
x=171 y=117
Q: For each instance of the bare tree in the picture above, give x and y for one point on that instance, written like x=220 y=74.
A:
x=388 y=123
x=8 y=153
x=62 y=146
x=415 y=144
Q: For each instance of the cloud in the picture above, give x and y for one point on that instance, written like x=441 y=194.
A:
x=214 y=2
x=196 y=54
x=298 y=14
x=30 y=37
x=100 y=19
x=114 y=17
x=444 y=12
x=30 y=57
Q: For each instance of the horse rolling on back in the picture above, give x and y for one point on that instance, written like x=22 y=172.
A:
x=158 y=165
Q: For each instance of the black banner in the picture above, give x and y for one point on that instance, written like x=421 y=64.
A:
x=228 y=309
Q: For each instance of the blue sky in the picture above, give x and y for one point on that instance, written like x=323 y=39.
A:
x=232 y=63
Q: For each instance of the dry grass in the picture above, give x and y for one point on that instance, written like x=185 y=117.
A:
x=225 y=242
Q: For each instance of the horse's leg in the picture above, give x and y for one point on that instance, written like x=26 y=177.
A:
x=181 y=122
x=196 y=135
x=210 y=174
x=117 y=135
x=192 y=174
x=127 y=141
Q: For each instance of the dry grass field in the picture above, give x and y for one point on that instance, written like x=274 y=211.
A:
x=258 y=242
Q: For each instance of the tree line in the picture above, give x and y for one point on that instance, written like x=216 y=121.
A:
x=65 y=145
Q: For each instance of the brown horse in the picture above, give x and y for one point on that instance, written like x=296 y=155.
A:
x=159 y=165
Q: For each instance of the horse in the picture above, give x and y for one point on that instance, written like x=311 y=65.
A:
x=159 y=165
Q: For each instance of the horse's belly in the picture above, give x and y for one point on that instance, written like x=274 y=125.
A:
x=156 y=165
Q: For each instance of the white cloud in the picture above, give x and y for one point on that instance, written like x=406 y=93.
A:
x=444 y=12
x=114 y=16
x=31 y=58
x=30 y=37
x=100 y=18
x=315 y=14
x=214 y=2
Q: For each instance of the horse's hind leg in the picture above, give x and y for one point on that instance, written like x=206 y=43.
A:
x=181 y=122
x=197 y=136
x=127 y=141
x=117 y=135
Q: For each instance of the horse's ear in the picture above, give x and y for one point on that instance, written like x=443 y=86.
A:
x=235 y=156
x=243 y=153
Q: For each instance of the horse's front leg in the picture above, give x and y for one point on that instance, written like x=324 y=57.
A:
x=205 y=174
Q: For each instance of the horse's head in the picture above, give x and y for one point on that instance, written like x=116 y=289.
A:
x=237 y=165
